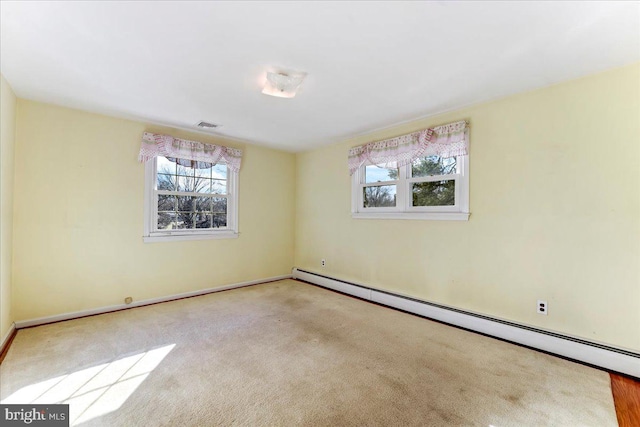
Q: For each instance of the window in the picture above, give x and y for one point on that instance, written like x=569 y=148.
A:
x=431 y=187
x=196 y=201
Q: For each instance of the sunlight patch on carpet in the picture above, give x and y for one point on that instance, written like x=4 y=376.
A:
x=94 y=391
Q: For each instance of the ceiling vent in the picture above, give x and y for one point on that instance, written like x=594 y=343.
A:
x=207 y=125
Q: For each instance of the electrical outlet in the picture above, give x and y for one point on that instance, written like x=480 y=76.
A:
x=323 y=262
x=543 y=308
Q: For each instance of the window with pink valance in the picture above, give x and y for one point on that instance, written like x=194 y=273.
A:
x=188 y=153
x=448 y=140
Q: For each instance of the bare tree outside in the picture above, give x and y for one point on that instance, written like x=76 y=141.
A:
x=198 y=208
x=379 y=196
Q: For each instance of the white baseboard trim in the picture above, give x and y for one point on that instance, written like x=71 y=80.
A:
x=7 y=336
x=600 y=355
x=101 y=310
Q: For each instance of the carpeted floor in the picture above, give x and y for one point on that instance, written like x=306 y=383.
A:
x=288 y=353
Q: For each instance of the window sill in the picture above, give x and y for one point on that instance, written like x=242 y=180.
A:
x=437 y=216
x=178 y=237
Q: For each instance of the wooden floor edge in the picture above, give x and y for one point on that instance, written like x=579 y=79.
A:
x=626 y=398
x=7 y=343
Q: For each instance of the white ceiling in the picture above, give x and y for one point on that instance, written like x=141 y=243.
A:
x=370 y=65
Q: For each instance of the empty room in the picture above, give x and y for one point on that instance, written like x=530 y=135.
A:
x=320 y=213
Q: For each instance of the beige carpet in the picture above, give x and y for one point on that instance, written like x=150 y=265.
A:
x=288 y=353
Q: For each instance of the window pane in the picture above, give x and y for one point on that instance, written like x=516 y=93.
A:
x=376 y=174
x=187 y=184
x=201 y=185
x=434 y=165
x=185 y=170
x=204 y=173
x=203 y=204
x=203 y=220
x=218 y=187
x=191 y=184
x=219 y=220
x=185 y=220
x=220 y=205
x=380 y=196
x=166 y=203
x=436 y=193
x=166 y=182
x=166 y=220
x=219 y=171
x=181 y=183
x=166 y=166
x=185 y=203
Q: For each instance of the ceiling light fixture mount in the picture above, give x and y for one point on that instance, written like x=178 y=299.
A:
x=283 y=84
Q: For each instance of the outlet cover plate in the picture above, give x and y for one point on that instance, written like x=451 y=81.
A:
x=543 y=307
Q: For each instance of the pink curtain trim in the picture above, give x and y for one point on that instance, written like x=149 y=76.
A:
x=154 y=145
x=448 y=140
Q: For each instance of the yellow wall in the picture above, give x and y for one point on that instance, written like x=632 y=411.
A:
x=7 y=143
x=79 y=217
x=555 y=214
x=555 y=202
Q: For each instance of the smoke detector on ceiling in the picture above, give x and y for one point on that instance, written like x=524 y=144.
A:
x=207 y=125
x=283 y=84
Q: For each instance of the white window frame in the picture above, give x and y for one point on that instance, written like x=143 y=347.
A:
x=403 y=208
x=152 y=234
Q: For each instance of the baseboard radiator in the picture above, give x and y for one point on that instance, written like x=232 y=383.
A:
x=595 y=354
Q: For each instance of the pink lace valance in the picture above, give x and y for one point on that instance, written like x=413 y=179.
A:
x=154 y=145
x=448 y=140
